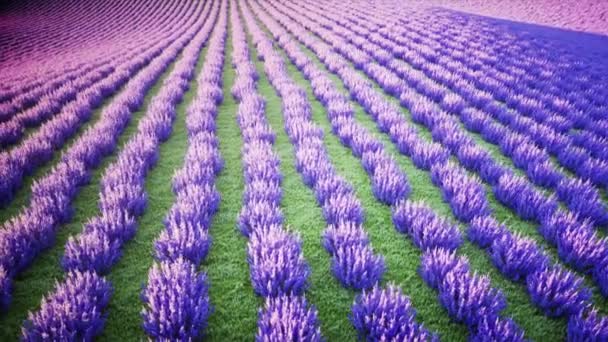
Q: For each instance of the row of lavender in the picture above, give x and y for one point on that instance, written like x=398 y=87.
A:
x=576 y=242
x=278 y=270
x=25 y=236
x=507 y=261
x=74 y=310
x=377 y=313
x=176 y=298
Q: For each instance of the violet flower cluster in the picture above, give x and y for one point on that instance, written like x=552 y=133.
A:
x=468 y=298
x=387 y=315
x=122 y=200
x=176 y=298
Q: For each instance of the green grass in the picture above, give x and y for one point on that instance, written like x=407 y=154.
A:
x=235 y=304
x=304 y=216
x=128 y=275
x=231 y=293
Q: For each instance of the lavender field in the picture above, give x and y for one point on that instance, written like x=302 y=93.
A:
x=292 y=170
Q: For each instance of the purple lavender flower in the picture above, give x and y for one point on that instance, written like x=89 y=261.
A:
x=494 y=132
x=187 y=240
x=472 y=156
x=544 y=174
x=437 y=263
x=587 y=325
x=115 y=224
x=205 y=198
x=129 y=196
x=387 y=118
x=176 y=301
x=453 y=103
x=192 y=175
x=464 y=193
x=474 y=119
x=594 y=170
x=425 y=228
x=491 y=171
x=512 y=142
x=10 y=132
x=386 y=314
x=363 y=142
x=389 y=183
x=344 y=234
x=483 y=230
x=469 y=298
x=260 y=190
x=257 y=215
x=288 y=318
x=526 y=201
x=528 y=153
x=23 y=237
x=600 y=275
x=516 y=257
x=558 y=222
x=497 y=330
x=583 y=199
x=424 y=155
x=357 y=267
x=371 y=160
x=276 y=263
x=405 y=138
x=5 y=289
x=313 y=165
x=342 y=208
x=557 y=291
x=72 y=311
x=331 y=185
x=93 y=250
x=572 y=157
x=407 y=214
x=580 y=246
